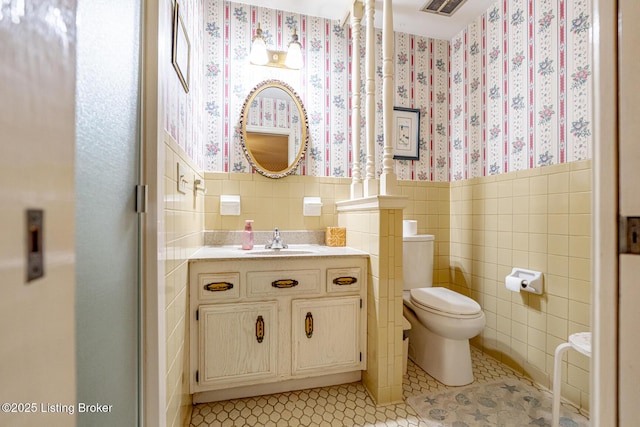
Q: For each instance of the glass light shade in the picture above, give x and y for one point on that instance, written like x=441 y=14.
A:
x=294 y=56
x=258 y=55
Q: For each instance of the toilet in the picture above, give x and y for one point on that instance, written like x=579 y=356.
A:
x=442 y=321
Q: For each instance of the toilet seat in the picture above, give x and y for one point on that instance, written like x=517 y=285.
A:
x=445 y=301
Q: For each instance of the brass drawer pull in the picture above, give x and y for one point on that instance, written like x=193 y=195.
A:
x=284 y=283
x=308 y=324
x=344 y=281
x=260 y=329
x=218 y=286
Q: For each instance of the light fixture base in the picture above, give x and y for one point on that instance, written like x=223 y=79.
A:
x=276 y=59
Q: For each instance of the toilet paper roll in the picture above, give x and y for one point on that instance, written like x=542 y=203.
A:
x=409 y=227
x=515 y=284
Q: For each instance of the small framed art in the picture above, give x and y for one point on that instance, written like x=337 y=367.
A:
x=181 y=51
x=406 y=128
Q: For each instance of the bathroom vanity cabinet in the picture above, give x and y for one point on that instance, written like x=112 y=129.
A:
x=271 y=323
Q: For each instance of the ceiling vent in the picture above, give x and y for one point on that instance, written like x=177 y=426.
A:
x=442 y=7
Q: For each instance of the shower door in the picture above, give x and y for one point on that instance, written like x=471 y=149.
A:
x=107 y=225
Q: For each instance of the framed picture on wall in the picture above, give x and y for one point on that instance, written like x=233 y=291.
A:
x=181 y=51
x=406 y=128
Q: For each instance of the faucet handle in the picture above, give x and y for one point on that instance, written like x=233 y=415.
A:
x=276 y=243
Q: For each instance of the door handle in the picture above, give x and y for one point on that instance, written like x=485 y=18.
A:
x=259 y=329
x=308 y=324
x=284 y=283
x=629 y=236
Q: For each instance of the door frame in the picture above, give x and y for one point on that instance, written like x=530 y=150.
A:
x=153 y=281
x=604 y=246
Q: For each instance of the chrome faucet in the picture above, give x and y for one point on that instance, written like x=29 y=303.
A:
x=276 y=242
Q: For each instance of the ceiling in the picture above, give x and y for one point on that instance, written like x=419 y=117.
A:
x=407 y=17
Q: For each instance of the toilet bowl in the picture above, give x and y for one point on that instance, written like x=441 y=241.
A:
x=446 y=312
x=442 y=321
x=439 y=340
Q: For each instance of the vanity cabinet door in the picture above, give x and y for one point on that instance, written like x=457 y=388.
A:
x=237 y=343
x=326 y=335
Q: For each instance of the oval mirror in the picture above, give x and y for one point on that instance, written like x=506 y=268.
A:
x=275 y=129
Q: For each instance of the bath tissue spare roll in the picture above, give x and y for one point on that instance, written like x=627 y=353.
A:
x=409 y=227
x=514 y=283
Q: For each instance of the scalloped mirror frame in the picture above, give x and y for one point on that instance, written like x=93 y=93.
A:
x=304 y=132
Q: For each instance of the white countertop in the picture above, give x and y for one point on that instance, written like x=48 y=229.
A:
x=293 y=251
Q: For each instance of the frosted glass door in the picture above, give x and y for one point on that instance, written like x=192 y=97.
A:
x=107 y=231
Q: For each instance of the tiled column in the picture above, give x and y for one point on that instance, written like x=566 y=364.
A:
x=374 y=225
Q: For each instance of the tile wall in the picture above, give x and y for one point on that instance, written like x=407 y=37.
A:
x=428 y=203
x=538 y=219
x=183 y=225
x=273 y=203
x=379 y=232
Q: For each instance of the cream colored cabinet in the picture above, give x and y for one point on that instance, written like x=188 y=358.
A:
x=237 y=342
x=326 y=335
x=260 y=326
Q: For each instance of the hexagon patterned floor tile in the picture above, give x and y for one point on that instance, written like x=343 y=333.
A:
x=338 y=406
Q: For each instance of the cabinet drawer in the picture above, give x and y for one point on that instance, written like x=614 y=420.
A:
x=343 y=279
x=285 y=282
x=218 y=286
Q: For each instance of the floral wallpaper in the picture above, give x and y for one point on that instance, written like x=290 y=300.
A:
x=183 y=115
x=509 y=92
x=324 y=86
x=421 y=79
x=520 y=93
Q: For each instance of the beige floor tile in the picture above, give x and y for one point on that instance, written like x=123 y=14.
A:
x=342 y=405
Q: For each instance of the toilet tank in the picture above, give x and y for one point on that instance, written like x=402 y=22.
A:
x=417 y=261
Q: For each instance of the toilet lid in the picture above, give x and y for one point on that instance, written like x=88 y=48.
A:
x=445 y=300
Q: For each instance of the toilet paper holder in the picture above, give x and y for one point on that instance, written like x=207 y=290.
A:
x=530 y=281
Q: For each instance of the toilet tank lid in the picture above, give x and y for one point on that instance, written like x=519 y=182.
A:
x=419 y=238
x=445 y=300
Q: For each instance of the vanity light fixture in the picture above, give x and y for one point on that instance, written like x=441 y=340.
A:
x=260 y=55
x=293 y=59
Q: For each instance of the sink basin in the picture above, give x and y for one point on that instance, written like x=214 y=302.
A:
x=280 y=252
